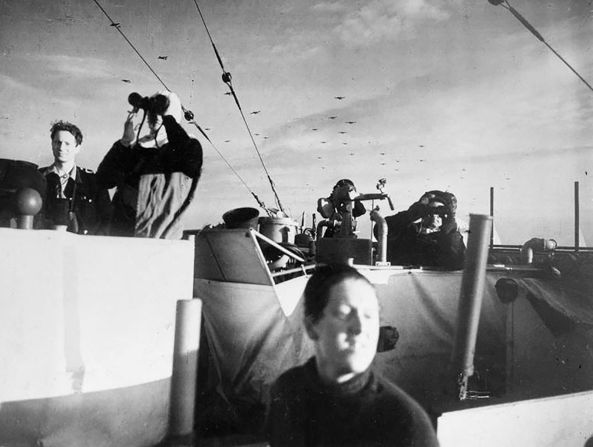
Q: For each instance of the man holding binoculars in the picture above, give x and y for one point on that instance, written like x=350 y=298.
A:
x=426 y=234
x=155 y=175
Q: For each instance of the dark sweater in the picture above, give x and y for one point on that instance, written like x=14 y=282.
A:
x=406 y=245
x=365 y=411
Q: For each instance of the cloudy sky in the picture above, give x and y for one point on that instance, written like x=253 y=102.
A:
x=443 y=94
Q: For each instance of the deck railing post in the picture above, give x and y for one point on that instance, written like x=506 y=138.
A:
x=470 y=300
x=576 y=216
x=492 y=216
x=185 y=368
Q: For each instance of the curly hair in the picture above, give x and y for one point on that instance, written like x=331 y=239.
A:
x=319 y=285
x=68 y=127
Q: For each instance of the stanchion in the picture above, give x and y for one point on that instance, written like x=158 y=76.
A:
x=185 y=368
x=27 y=203
x=470 y=299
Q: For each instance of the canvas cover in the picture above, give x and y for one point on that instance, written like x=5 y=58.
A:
x=254 y=334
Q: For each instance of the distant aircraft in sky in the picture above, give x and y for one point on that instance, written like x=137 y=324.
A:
x=227 y=141
x=323 y=142
x=332 y=117
x=163 y=57
x=315 y=129
x=339 y=97
x=382 y=153
x=228 y=93
x=350 y=122
x=256 y=134
x=265 y=138
x=255 y=112
x=127 y=81
x=116 y=24
x=344 y=144
x=342 y=132
x=207 y=128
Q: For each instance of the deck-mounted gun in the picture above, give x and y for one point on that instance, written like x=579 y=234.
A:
x=340 y=210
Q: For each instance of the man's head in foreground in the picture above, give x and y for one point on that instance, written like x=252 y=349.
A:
x=342 y=319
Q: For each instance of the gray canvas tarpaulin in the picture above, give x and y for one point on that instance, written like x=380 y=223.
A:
x=255 y=333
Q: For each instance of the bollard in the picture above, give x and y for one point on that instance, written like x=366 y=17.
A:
x=470 y=299
x=27 y=203
x=185 y=367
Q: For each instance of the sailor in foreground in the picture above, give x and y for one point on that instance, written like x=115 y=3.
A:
x=426 y=234
x=73 y=199
x=155 y=175
x=335 y=399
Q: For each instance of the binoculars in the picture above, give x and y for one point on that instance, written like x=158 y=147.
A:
x=157 y=104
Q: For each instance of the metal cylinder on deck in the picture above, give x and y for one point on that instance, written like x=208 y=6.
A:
x=185 y=367
x=381 y=235
x=27 y=203
x=470 y=299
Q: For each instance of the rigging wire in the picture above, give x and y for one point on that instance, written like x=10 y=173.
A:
x=189 y=116
x=227 y=79
x=505 y=4
x=117 y=27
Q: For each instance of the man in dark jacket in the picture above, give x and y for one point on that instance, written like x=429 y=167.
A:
x=426 y=234
x=155 y=175
x=341 y=203
x=336 y=399
x=73 y=199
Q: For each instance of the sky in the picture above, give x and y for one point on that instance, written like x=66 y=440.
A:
x=440 y=94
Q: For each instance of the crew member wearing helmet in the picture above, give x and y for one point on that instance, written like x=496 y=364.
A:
x=155 y=174
x=426 y=234
x=341 y=201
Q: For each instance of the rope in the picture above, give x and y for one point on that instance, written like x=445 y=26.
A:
x=117 y=27
x=533 y=31
x=227 y=79
x=260 y=203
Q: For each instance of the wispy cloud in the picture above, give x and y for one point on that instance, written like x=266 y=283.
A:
x=382 y=20
x=73 y=66
x=332 y=7
x=296 y=45
x=10 y=84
